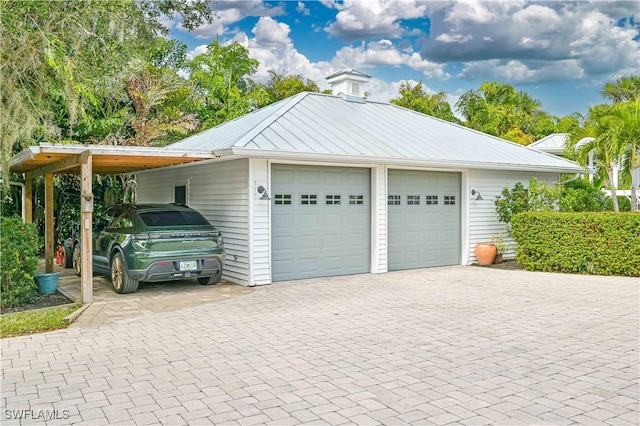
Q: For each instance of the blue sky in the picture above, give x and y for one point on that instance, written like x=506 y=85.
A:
x=559 y=52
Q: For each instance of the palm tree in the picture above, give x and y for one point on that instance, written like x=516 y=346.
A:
x=624 y=89
x=625 y=120
x=599 y=133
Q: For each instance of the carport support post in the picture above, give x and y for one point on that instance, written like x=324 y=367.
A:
x=28 y=200
x=48 y=223
x=86 y=220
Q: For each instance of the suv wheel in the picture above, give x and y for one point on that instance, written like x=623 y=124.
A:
x=211 y=280
x=77 y=260
x=122 y=282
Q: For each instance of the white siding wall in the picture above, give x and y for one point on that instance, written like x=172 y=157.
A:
x=260 y=225
x=483 y=222
x=219 y=190
x=379 y=219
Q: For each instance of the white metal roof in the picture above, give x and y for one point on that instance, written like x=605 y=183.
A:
x=314 y=126
x=553 y=144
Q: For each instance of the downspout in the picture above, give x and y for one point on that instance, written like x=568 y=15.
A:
x=571 y=179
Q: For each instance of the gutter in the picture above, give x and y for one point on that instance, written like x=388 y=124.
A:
x=390 y=160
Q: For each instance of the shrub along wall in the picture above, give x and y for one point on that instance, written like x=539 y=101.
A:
x=588 y=243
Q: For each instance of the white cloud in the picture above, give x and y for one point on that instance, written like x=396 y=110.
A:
x=364 y=19
x=301 y=8
x=274 y=49
x=197 y=51
x=269 y=32
x=454 y=38
x=383 y=52
x=230 y=12
x=527 y=42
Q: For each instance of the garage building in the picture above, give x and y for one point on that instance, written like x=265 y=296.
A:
x=321 y=185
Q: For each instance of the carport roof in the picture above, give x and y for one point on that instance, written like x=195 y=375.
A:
x=313 y=126
x=106 y=159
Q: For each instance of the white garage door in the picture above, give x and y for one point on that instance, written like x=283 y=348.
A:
x=424 y=219
x=321 y=221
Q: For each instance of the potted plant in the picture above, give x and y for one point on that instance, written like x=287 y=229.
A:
x=485 y=253
x=501 y=246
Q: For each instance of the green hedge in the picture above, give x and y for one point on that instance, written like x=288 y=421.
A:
x=18 y=261
x=587 y=243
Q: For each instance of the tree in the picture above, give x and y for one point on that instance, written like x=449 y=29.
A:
x=282 y=85
x=58 y=58
x=625 y=123
x=501 y=110
x=623 y=89
x=154 y=118
x=600 y=135
x=612 y=131
x=416 y=99
x=221 y=75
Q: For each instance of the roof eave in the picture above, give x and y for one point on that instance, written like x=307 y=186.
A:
x=433 y=163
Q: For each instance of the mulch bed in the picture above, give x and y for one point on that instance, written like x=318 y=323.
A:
x=510 y=265
x=42 y=301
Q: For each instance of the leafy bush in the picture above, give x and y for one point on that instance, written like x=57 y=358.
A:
x=538 y=197
x=585 y=243
x=18 y=261
x=581 y=196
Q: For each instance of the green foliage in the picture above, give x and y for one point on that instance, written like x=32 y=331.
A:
x=500 y=110
x=585 y=243
x=221 y=75
x=18 y=261
x=538 y=197
x=581 y=196
x=37 y=321
x=416 y=99
x=498 y=241
x=64 y=63
x=612 y=132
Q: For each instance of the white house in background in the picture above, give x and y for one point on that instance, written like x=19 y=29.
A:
x=553 y=144
x=319 y=185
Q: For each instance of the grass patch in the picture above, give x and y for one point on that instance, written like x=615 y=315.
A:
x=36 y=321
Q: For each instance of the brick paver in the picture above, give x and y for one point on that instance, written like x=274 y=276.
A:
x=461 y=345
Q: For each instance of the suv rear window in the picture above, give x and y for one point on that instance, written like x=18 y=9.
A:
x=172 y=218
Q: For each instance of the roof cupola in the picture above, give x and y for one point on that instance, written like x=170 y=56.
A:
x=348 y=84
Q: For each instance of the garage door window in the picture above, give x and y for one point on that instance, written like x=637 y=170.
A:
x=282 y=199
x=431 y=200
x=308 y=199
x=393 y=200
x=356 y=200
x=413 y=200
x=449 y=200
x=332 y=199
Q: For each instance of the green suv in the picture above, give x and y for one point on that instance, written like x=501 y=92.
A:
x=154 y=242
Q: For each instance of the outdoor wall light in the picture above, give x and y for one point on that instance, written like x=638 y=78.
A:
x=265 y=195
x=476 y=194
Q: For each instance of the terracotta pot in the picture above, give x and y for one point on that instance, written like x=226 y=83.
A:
x=485 y=253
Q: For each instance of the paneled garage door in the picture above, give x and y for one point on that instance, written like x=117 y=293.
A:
x=424 y=219
x=321 y=221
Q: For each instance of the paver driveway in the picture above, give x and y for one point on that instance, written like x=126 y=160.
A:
x=445 y=345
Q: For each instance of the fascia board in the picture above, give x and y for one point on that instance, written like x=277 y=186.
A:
x=399 y=161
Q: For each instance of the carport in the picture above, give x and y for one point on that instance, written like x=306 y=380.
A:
x=48 y=159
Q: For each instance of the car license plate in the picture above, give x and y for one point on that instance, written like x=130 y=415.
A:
x=189 y=266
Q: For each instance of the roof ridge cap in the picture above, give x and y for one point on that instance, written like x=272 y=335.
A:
x=258 y=128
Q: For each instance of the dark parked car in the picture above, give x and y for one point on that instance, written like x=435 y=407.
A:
x=154 y=242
